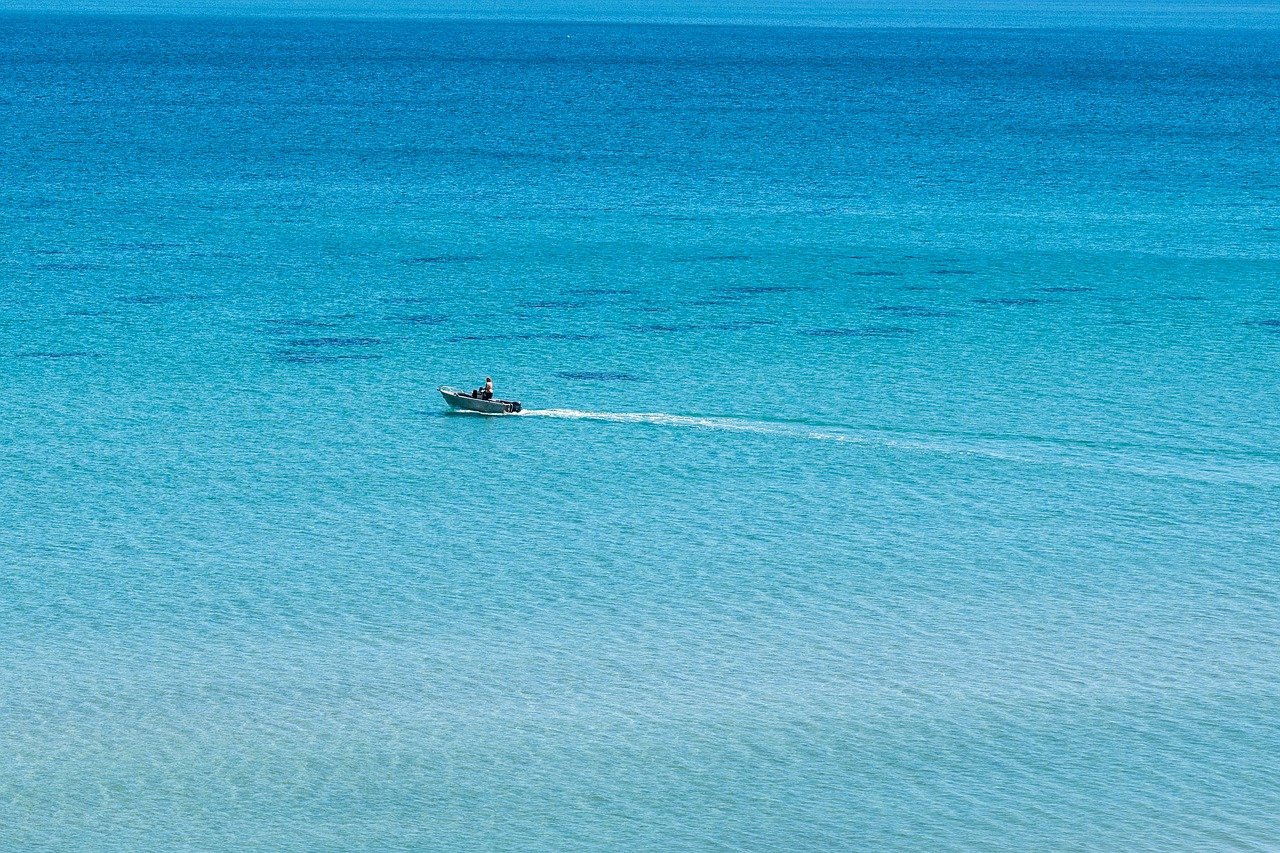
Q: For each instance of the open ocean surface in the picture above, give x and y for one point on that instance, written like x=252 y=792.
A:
x=900 y=467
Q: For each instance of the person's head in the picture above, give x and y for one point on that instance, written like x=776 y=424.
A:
x=488 y=379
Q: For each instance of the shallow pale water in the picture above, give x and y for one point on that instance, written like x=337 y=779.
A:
x=899 y=467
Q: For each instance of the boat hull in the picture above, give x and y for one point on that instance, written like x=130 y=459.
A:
x=466 y=403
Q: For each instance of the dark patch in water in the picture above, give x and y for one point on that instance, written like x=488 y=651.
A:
x=726 y=326
x=863 y=332
x=54 y=356
x=545 y=336
x=1008 y=301
x=740 y=325
x=1271 y=325
x=443 y=259
x=728 y=295
x=335 y=342
x=295 y=357
x=1066 y=288
x=597 y=376
x=913 y=311
x=876 y=273
x=952 y=272
x=422 y=319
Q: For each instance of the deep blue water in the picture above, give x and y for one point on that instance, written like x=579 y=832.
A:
x=899 y=467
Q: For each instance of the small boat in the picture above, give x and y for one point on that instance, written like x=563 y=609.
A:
x=473 y=402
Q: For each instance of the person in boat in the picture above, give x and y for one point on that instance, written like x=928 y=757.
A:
x=487 y=393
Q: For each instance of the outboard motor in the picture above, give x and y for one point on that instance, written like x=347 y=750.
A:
x=514 y=407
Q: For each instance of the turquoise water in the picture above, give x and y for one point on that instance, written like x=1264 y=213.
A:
x=899 y=467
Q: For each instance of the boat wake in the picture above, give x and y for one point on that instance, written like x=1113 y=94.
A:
x=1183 y=463
x=711 y=423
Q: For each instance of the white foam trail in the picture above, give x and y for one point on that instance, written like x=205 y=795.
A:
x=741 y=425
x=760 y=427
x=1020 y=452
x=659 y=418
x=712 y=423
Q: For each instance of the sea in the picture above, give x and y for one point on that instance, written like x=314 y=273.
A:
x=897 y=468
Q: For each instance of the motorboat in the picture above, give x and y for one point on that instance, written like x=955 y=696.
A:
x=474 y=401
